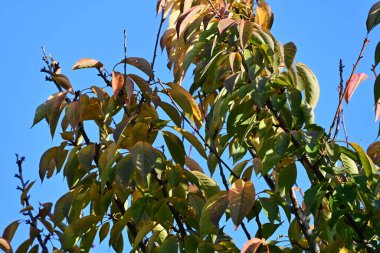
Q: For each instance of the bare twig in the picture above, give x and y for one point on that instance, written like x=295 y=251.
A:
x=340 y=104
x=340 y=93
x=213 y=8
x=33 y=219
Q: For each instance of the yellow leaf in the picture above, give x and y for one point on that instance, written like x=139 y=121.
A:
x=264 y=16
x=63 y=81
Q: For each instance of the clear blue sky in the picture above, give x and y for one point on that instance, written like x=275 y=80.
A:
x=324 y=31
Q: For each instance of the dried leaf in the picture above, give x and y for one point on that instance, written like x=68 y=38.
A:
x=224 y=24
x=186 y=17
x=4 y=245
x=63 y=81
x=87 y=63
x=117 y=83
x=251 y=246
x=353 y=84
x=141 y=64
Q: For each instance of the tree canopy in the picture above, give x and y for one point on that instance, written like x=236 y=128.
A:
x=173 y=164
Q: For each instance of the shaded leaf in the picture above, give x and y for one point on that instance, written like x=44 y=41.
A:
x=290 y=51
x=40 y=114
x=193 y=141
x=73 y=113
x=206 y=184
x=170 y=245
x=353 y=83
x=143 y=231
x=103 y=232
x=117 y=83
x=172 y=112
x=24 y=194
x=143 y=157
x=251 y=246
x=143 y=85
x=175 y=147
x=310 y=83
x=373 y=18
x=376 y=91
x=373 y=151
x=10 y=231
x=245 y=31
x=224 y=24
x=287 y=177
x=54 y=106
x=377 y=54
x=86 y=156
x=141 y=64
x=213 y=211
x=87 y=63
x=241 y=197
x=193 y=165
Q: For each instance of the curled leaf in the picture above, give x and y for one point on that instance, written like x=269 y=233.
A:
x=353 y=83
x=87 y=63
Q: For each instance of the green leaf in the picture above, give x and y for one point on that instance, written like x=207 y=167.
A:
x=172 y=112
x=73 y=113
x=270 y=208
x=175 y=147
x=377 y=54
x=143 y=231
x=310 y=83
x=86 y=156
x=141 y=64
x=191 y=53
x=349 y=164
x=125 y=169
x=10 y=231
x=143 y=85
x=170 y=245
x=373 y=18
x=143 y=157
x=193 y=141
x=62 y=207
x=366 y=163
x=24 y=194
x=103 y=232
x=287 y=178
x=212 y=212
x=206 y=184
x=290 y=51
x=76 y=229
x=376 y=91
x=241 y=198
x=40 y=114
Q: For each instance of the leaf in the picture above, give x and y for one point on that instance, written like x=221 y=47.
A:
x=193 y=165
x=24 y=194
x=224 y=24
x=193 y=141
x=175 y=147
x=172 y=112
x=245 y=31
x=88 y=63
x=349 y=164
x=143 y=157
x=86 y=156
x=73 y=113
x=40 y=114
x=125 y=169
x=170 y=245
x=62 y=207
x=141 y=64
x=206 y=184
x=24 y=246
x=117 y=83
x=54 y=106
x=264 y=16
x=353 y=83
x=76 y=229
x=376 y=91
x=63 y=81
x=213 y=211
x=184 y=20
x=310 y=82
x=143 y=231
x=103 y=232
x=373 y=151
x=5 y=246
x=373 y=18
x=377 y=54
x=183 y=98
x=191 y=54
x=290 y=51
x=251 y=246
x=287 y=177
x=241 y=197
x=365 y=161
x=143 y=85
x=10 y=231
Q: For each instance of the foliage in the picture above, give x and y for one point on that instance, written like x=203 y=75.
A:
x=249 y=100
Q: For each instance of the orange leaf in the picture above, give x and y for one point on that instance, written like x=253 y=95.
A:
x=377 y=110
x=87 y=63
x=241 y=197
x=264 y=16
x=117 y=83
x=353 y=83
x=4 y=245
x=252 y=245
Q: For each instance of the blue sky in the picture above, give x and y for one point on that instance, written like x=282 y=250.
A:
x=324 y=31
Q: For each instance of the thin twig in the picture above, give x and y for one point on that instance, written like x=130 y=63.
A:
x=33 y=219
x=340 y=94
x=213 y=8
x=338 y=109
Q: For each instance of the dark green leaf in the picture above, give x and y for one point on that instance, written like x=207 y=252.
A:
x=373 y=18
x=143 y=157
x=175 y=147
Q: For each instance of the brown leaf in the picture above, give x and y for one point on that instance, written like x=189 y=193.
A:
x=117 y=83
x=4 y=245
x=129 y=87
x=353 y=83
x=141 y=64
x=10 y=231
x=193 y=165
x=63 y=81
x=373 y=152
x=73 y=114
x=245 y=31
x=251 y=246
x=186 y=17
x=87 y=63
x=224 y=24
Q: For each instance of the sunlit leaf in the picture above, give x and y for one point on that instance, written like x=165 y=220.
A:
x=373 y=18
x=353 y=83
x=349 y=164
x=251 y=246
x=241 y=197
x=373 y=151
x=224 y=24
x=5 y=246
x=290 y=51
x=310 y=83
x=87 y=63
x=365 y=161
x=206 y=184
x=63 y=81
x=193 y=141
x=186 y=17
x=264 y=16
x=117 y=83
x=141 y=64
x=143 y=85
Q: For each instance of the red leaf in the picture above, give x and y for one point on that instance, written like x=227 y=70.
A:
x=117 y=83
x=252 y=245
x=353 y=83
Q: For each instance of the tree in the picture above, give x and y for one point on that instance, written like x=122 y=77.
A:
x=249 y=102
